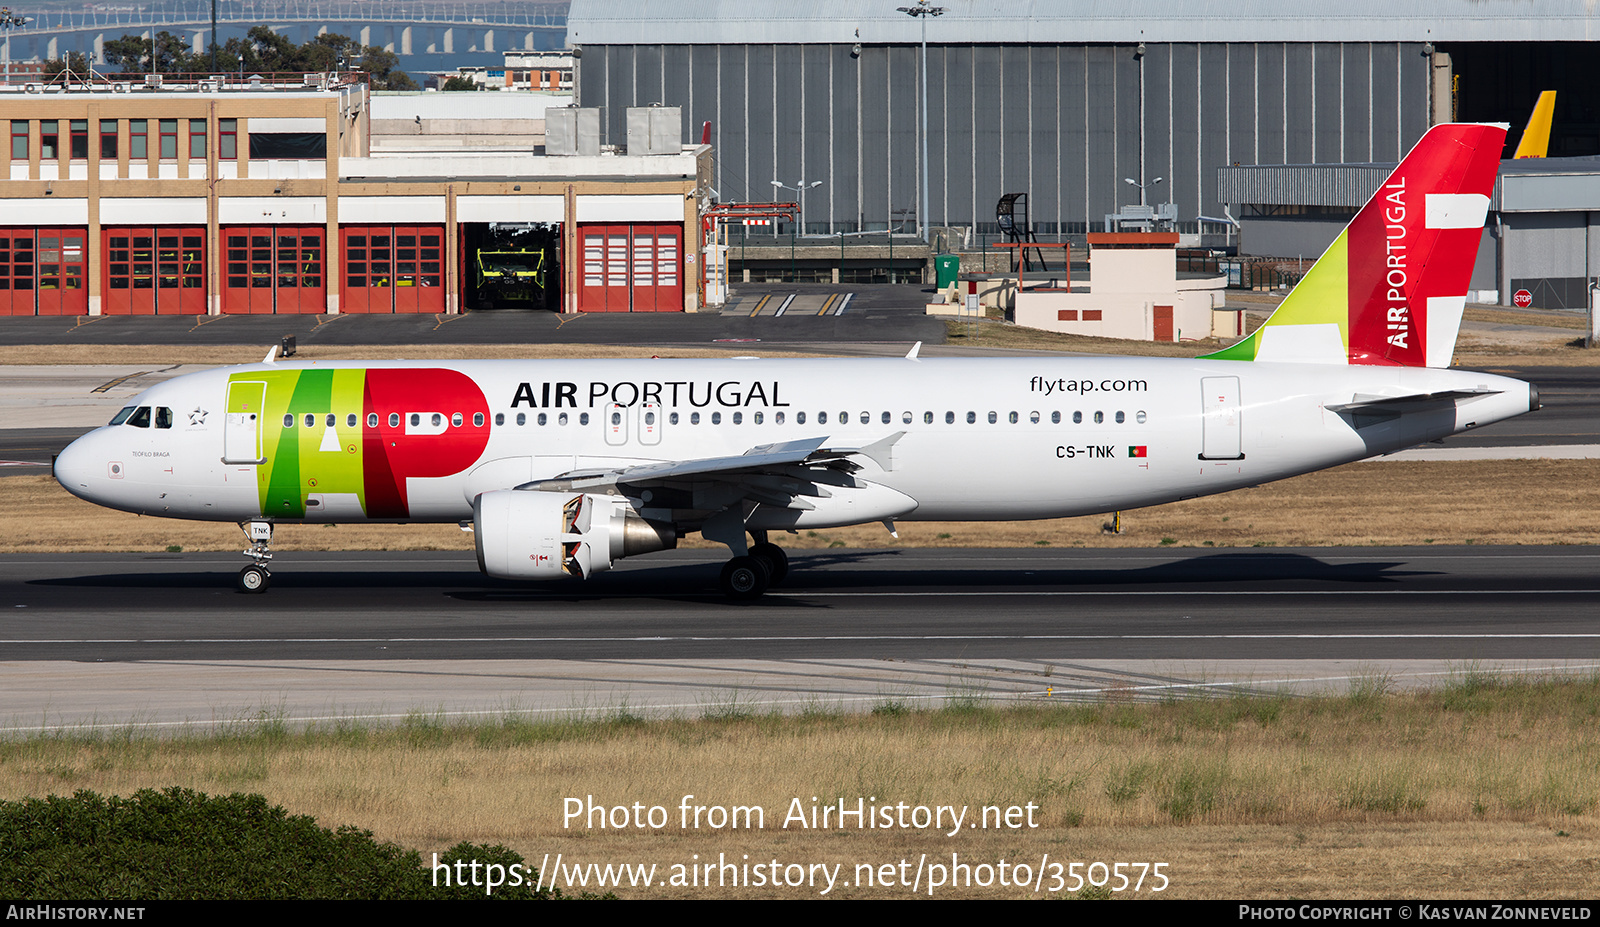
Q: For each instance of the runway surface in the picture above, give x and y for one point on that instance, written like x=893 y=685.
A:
x=113 y=638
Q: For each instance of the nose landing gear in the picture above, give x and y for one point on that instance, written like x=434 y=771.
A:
x=256 y=577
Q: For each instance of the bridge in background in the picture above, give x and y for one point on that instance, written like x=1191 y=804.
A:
x=413 y=30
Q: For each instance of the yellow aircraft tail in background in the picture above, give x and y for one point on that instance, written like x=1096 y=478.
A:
x=1536 y=137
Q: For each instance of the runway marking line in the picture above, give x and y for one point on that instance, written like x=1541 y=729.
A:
x=800 y=638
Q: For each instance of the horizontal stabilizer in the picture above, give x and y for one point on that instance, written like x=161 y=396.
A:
x=1371 y=403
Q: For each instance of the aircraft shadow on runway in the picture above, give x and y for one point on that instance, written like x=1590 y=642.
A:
x=840 y=571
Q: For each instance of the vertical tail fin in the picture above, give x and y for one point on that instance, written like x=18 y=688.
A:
x=1536 y=137
x=1391 y=288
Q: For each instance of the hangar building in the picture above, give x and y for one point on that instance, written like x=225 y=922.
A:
x=1069 y=101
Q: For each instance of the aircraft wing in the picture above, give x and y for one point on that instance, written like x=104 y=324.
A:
x=809 y=460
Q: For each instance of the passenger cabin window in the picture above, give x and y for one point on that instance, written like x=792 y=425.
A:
x=394 y=420
x=288 y=420
x=372 y=419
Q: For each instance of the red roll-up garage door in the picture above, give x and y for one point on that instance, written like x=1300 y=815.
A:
x=274 y=269
x=43 y=271
x=393 y=268
x=19 y=272
x=631 y=268
x=154 y=270
x=63 y=267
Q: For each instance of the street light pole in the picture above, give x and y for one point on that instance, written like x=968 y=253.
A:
x=9 y=21
x=799 y=189
x=922 y=11
x=1130 y=181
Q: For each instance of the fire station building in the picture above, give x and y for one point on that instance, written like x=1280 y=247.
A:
x=222 y=196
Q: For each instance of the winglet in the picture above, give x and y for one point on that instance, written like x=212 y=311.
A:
x=882 y=452
x=912 y=354
x=272 y=356
x=1536 y=137
x=1391 y=289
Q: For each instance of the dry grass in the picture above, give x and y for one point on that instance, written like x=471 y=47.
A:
x=1397 y=503
x=1572 y=320
x=1478 y=790
x=1535 y=349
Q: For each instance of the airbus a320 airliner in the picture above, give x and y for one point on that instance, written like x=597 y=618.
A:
x=563 y=468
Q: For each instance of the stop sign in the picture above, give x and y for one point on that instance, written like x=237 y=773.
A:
x=1522 y=298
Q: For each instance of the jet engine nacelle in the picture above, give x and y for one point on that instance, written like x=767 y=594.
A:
x=538 y=535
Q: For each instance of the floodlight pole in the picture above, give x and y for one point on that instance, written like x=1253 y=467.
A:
x=922 y=11
x=9 y=21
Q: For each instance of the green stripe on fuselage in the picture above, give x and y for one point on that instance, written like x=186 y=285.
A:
x=303 y=459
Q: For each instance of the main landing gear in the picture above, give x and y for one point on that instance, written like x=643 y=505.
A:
x=750 y=576
x=255 y=578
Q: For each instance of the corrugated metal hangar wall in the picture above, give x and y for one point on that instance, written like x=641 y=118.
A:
x=1064 y=123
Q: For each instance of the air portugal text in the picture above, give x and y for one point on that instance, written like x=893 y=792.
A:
x=1394 y=214
x=731 y=394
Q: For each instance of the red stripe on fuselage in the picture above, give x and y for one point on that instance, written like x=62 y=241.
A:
x=395 y=453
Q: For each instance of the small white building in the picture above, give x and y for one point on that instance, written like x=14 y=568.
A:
x=1133 y=292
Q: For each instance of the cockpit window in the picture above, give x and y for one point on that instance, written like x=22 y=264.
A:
x=141 y=417
x=163 y=417
x=122 y=416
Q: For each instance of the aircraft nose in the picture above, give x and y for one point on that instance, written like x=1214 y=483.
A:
x=79 y=468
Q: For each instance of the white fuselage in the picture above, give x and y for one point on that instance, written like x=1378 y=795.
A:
x=1032 y=437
